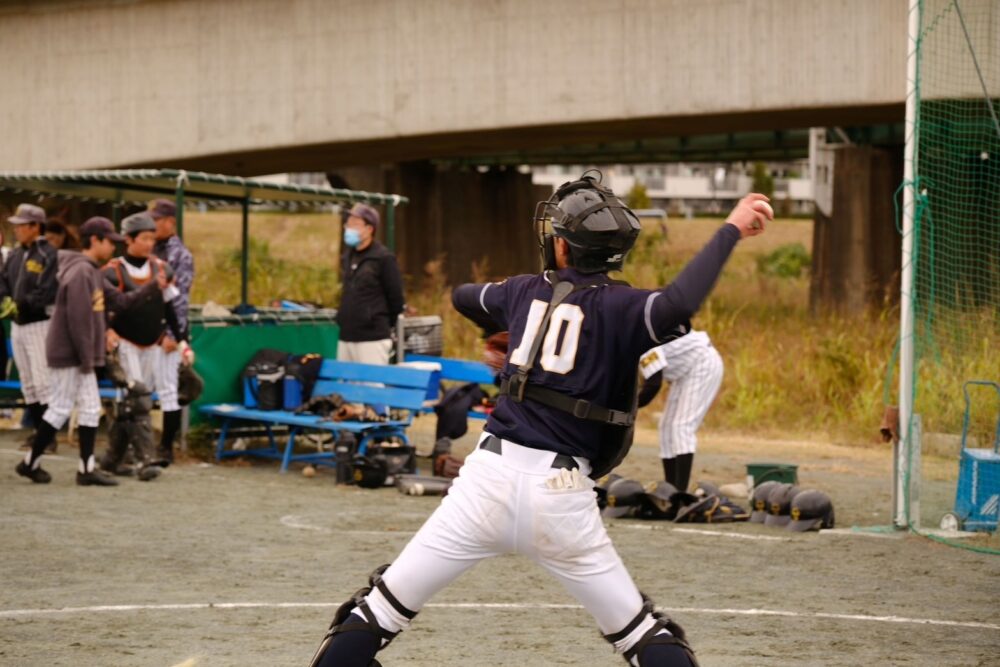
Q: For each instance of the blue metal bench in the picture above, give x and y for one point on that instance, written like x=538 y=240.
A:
x=460 y=370
x=105 y=388
x=392 y=386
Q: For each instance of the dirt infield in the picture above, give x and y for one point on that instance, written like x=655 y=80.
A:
x=239 y=565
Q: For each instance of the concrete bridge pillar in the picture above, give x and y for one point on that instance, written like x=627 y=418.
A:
x=856 y=249
x=462 y=217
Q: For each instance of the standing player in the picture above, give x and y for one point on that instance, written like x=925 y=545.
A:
x=144 y=343
x=75 y=347
x=29 y=278
x=566 y=410
x=694 y=369
x=172 y=250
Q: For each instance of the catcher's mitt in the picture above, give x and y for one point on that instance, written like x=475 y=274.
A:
x=495 y=350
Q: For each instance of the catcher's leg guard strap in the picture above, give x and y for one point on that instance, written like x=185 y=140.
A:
x=358 y=607
x=378 y=584
x=652 y=636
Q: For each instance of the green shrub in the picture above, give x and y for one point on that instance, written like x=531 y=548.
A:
x=787 y=261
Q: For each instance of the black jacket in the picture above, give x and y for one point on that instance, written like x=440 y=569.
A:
x=372 y=294
x=29 y=278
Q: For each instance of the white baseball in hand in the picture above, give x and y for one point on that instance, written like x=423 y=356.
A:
x=762 y=207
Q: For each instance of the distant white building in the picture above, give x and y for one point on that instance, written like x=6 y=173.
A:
x=686 y=189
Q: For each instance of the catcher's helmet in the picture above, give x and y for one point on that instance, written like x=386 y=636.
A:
x=599 y=228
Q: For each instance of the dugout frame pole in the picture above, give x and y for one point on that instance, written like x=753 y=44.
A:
x=244 y=257
x=908 y=438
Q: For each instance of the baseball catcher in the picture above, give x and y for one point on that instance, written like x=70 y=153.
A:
x=564 y=417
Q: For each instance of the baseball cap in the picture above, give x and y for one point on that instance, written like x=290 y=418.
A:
x=705 y=489
x=162 y=208
x=811 y=510
x=660 y=495
x=779 y=502
x=27 y=213
x=624 y=498
x=366 y=213
x=601 y=488
x=759 y=501
x=138 y=222
x=98 y=226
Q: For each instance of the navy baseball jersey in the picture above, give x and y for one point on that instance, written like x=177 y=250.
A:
x=592 y=346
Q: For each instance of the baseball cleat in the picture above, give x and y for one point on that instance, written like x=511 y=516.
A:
x=36 y=475
x=95 y=478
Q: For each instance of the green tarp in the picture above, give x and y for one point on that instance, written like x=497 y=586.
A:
x=222 y=352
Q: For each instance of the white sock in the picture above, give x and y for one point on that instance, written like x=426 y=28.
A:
x=87 y=466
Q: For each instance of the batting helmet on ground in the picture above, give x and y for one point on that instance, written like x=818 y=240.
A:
x=370 y=472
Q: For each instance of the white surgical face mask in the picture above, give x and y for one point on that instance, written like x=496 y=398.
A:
x=352 y=237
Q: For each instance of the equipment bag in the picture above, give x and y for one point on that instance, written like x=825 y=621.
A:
x=263 y=380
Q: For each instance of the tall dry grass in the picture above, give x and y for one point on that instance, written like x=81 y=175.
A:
x=788 y=372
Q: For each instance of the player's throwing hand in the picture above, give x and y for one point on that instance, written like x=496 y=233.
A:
x=751 y=215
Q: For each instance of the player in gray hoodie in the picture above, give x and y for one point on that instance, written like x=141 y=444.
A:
x=75 y=346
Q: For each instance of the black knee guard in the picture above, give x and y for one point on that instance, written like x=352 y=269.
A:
x=344 y=612
x=652 y=637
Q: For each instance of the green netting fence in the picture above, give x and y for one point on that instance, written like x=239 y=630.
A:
x=950 y=460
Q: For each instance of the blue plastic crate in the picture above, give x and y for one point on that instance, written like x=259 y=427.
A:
x=292 y=393
x=977 y=499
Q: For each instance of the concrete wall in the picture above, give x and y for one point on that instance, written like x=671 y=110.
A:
x=261 y=86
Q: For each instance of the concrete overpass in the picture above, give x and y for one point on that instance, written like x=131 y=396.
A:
x=264 y=86
x=403 y=95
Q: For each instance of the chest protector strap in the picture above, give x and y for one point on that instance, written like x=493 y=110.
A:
x=517 y=387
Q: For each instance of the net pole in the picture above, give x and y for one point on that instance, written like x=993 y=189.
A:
x=906 y=333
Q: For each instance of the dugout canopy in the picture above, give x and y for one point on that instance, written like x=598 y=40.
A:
x=120 y=187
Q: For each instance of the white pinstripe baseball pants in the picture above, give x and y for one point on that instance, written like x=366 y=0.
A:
x=694 y=370
x=72 y=388
x=154 y=368
x=28 y=343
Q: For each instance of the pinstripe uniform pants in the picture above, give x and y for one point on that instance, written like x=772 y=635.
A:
x=28 y=343
x=73 y=388
x=694 y=370
x=154 y=368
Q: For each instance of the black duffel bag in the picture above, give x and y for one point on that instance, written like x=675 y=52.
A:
x=263 y=380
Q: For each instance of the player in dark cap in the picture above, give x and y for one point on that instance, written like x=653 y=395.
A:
x=147 y=337
x=811 y=510
x=29 y=279
x=171 y=249
x=75 y=347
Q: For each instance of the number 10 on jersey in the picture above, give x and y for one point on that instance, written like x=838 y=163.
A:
x=558 y=354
